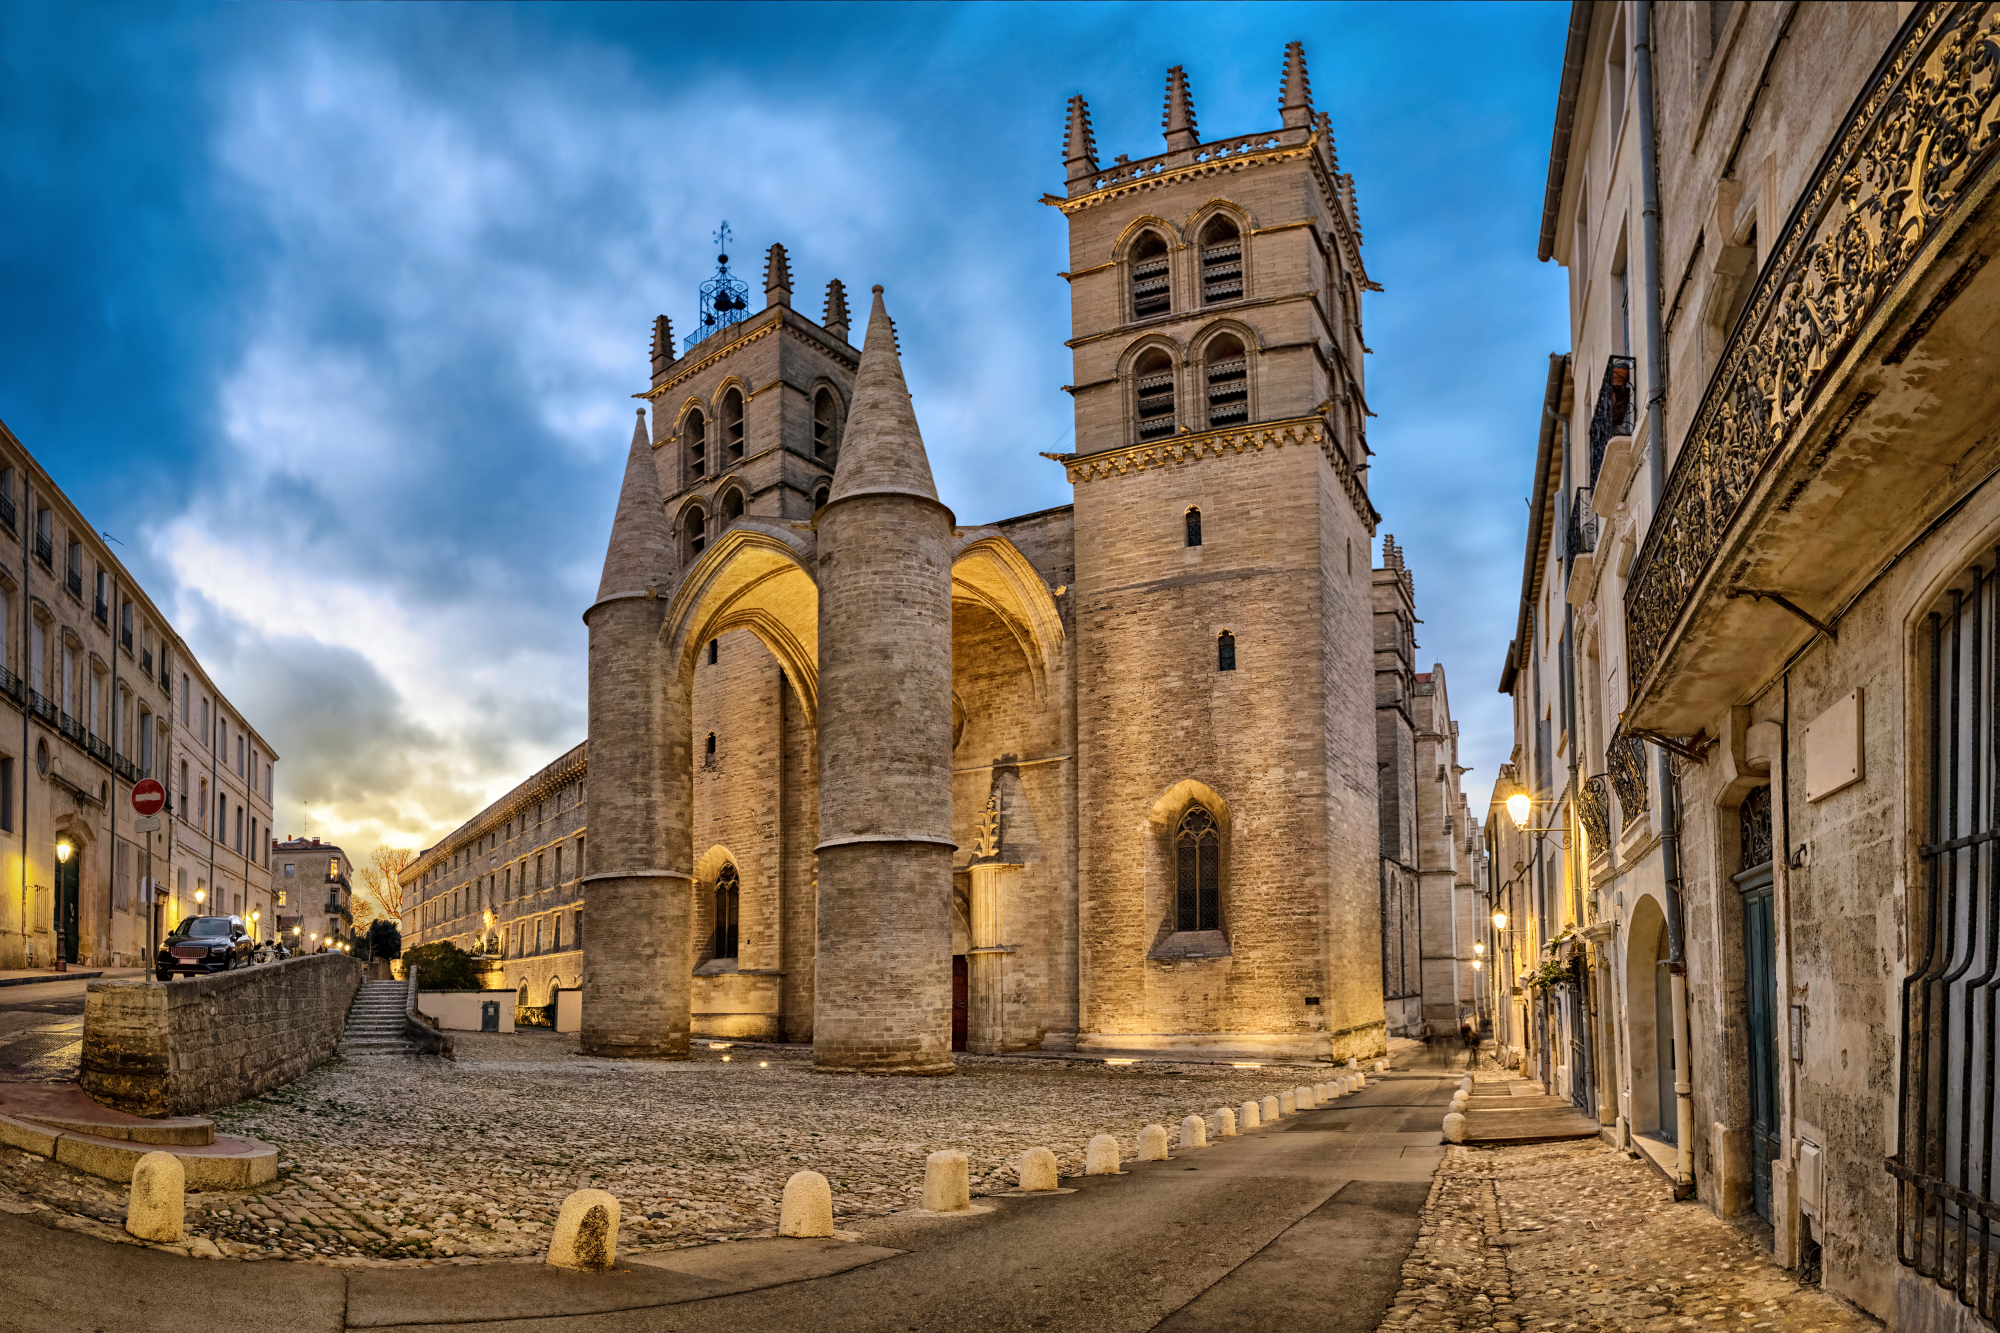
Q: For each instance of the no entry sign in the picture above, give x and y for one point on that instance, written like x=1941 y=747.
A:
x=148 y=796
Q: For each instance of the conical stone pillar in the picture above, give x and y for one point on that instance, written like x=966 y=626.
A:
x=640 y=786
x=882 y=989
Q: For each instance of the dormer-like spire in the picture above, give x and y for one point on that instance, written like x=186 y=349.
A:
x=882 y=452
x=777 y=278
x=1295 y=101
x=835 y=319
x=1079 y=144
x=640 y=554
x=1179 y=118
x=663 y=344
x=1323 y=126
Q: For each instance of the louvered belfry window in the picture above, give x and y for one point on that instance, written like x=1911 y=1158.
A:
x=1221 y=262
x=1947 y=1186
x=826 y=421
x=1198 y=871
x=732 y=424
x=1151 y=294
x=696 y=435
x=1155 y=399
x=1228 y=384
x=728 y=895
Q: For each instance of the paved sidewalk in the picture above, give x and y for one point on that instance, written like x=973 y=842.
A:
x=1578 y=1238
x=1299 y=1225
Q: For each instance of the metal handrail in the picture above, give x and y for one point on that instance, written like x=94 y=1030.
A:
x=1613 y=415
x=1582 y=524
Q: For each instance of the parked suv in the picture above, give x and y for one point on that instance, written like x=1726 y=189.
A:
x=203 y=944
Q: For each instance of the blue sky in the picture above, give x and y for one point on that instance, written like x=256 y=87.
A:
x=332 y=314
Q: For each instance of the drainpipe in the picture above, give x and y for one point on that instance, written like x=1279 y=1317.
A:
x=1656 y=465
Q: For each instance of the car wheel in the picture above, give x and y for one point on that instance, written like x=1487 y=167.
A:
x=164 y=975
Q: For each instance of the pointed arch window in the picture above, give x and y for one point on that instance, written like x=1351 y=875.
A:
x=695 y=432
x=732 y=506
x=1151 y=294
x=1221 y=262
x=826 y=424
x=1198 y=871
x=1193 y=525
x=728 y=897
x=1225 y=651
x=1226 y=372
x=819 y=498
x=732 y=424
x=697 y=531
x=1155 y=372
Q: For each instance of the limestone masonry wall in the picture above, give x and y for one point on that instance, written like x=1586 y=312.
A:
x=184 y=1047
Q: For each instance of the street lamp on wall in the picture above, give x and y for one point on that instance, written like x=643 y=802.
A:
x=64 y=847
x=1499 y=921
x=1518 y=808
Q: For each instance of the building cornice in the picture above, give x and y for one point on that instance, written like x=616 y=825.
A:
x=847 y=356
x=562 y=771
x=1199 y=446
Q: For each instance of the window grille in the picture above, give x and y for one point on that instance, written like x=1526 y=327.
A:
x=1947 y=1194
x=1156 y=404
x=1193 y=527
x=728 y=894
x=1151 y=294
x=1222 y=267
x=1228 y=392
x=1225 y=651
x=1198 y=871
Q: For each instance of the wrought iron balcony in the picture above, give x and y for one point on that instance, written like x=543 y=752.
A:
x=73 y=580
x=1613 y=415
x=1625 y=766
x=102 y=612
x=42 y=708
x=72 y=730
x=146 y=662
x=7 y=515
x=1916 y=150
x=1582 y=524
x=125 y=637
x=11 y=685
x=45 y=551
x=1593 y=806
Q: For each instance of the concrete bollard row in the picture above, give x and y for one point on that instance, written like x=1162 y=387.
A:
x=1269 y=1108
x=1100 y=1157
x=1222 y=1123
x=1249 y=1115
x=1153 y=1143
x=1454 y=1127
x=1194 y=1133
x=586 y=1233
x=947 y=1182
x=1465 y=1085
x=1308 y=1098
x=156 y=1210
x=1287 y=1103
x=807 y=1206
x=1037 y=1169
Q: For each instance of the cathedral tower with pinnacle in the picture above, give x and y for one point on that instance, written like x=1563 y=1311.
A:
x=1097 y=778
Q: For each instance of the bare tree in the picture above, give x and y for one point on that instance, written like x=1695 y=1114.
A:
x=381 y=891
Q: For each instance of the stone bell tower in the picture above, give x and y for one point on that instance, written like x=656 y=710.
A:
x=883 y=984
x=1227 y=840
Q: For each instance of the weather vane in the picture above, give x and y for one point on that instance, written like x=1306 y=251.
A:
x=724 y=300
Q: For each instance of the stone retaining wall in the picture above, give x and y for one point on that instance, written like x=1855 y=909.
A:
x=183 y=1047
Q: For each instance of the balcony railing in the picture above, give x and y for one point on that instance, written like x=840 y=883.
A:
x=7 y=512
x=1593 y=806
x=72 y=730
x=1625 y=766
x=1883 y=198
x=44 y=709
x=1582 y=524
x=102 y=612
x=45 y=551
x=73 y=580
x=11 y=685
x=1613 y=415
x=146 y=662
x=125 y=637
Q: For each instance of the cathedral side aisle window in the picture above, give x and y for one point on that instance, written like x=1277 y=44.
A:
x=728 y=897
x=1198 y=848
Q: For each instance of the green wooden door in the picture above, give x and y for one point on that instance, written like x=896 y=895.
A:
x=67 y=923
x=1760 y=985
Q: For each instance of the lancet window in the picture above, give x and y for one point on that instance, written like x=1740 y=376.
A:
x=1155 y=372
x=695 y=432
x=1228 y=382
x=1198 y=871
x=1193 y=526
x=732 y=424
x=728 y=896
x=732 y=506
x=826 y=424
x=1151 y=293
x=697 y=531
x=1225 y=651
x=1221 y=262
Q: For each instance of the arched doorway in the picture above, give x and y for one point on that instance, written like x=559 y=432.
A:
x=1650 y=1016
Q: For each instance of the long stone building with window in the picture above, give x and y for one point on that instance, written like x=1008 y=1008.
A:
x=98 y=692
x=1099 y=778
x=1751 y=919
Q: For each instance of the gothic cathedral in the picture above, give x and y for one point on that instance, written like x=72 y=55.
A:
x=1100 y=778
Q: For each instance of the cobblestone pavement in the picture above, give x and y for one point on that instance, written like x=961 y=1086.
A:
x=425 y=1161
x=1577 y=1238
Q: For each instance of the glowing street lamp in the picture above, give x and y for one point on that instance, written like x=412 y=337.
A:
x=63 y=849
x=200 y=897
x=1499 y=921
x=1479 y=948
x=1518 y=809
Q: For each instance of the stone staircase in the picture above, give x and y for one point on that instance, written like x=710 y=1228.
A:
x=376 y=1022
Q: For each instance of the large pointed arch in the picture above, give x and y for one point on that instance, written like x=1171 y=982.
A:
x=990 y=571
x=756 y=576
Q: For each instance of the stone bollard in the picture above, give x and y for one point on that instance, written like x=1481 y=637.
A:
x=1100 y=1156
x=1465 y=1085
x=1381 y=1066
x=1194 y=1133
x=1306 y=1097
x=1222 y=1123
x=947 y=1182
x=1457 y=1106
x=157 y=1207
x=1288 y=1103
x=807 y=1207
x=1269 y=1109
x=1454 y=1127
x=1248 y=1115
x=1360 y=1082
x=1354 y=1062
x=586 y=1234
x=1038 y=1169
x=1324 y=1092
x=1153 y=1143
